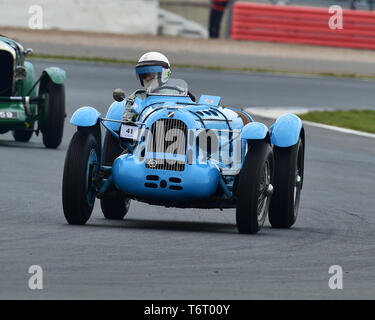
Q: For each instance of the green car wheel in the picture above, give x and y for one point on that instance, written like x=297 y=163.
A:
x=54 y=127
x=22 y=135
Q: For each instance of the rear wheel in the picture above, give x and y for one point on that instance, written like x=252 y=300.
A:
x=254 y=187
x=289 y=169
x=22 y=135
x=113 y=208
x=80 y=170
x=53 y=128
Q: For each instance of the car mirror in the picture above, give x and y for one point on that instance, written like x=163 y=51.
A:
x=118 y=95
x=28 y=51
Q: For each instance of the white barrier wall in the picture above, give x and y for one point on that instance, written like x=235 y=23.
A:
x=118 y=16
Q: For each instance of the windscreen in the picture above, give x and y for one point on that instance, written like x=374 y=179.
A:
x=173 y=87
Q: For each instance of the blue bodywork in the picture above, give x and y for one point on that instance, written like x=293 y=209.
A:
x=115 y=111
x=194 y=180
x=254 y=131
x=85 y=117
x=286 y=130
x=209 y=100
x=136 y=177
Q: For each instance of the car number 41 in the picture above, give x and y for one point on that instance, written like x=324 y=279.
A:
x=129 y=132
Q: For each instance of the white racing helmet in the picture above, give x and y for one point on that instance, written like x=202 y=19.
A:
x=153 y=70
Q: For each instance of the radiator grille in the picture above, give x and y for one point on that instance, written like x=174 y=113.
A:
x=168 y=136
x=6 y=75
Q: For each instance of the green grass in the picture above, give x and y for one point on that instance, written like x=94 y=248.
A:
x=197 y=66
x=362 y=120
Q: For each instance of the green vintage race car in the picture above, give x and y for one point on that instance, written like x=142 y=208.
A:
x=24 y=109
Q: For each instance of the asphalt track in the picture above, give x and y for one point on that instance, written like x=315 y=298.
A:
x=159 y=253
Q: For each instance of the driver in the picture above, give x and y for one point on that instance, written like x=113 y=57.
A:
x=153 y=70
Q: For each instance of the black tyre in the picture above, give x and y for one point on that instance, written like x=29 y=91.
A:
x=289 y=167
x=113 y=208
x=22 y=135
x=80 y=169
x=53 y=129
x=254 y=189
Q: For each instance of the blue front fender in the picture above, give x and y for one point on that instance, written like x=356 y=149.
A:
x=85 y=117
x=254 y=131
x=286 y=130
x=115 y=112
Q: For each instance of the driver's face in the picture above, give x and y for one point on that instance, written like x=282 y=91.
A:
x=149 y=76
x=147 y=82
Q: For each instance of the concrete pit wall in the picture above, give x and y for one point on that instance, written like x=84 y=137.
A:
x=115 y=16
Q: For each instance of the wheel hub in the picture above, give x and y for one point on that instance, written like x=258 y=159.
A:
x=298 y=181
x=269 y=190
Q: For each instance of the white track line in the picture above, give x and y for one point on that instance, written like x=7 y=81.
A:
x=339 y=129
x=275 y=113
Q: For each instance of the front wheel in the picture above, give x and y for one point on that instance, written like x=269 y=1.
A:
x=289 y=167
x=53 y=128
x=254 y=187
x=80 y=170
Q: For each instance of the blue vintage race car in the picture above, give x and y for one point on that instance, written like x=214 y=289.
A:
x=184 y=154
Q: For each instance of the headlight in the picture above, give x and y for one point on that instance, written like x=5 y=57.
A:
x=20 y=73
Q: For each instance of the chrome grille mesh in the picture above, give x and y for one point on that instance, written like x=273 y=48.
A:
x=167 y=136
